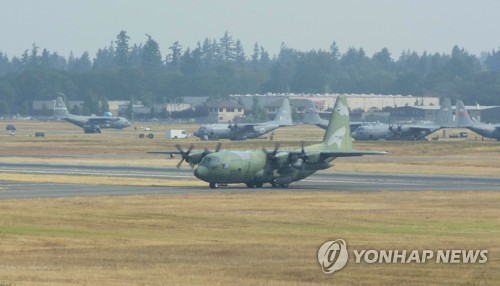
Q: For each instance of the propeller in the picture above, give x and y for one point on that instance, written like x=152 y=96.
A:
x=272 y=155
x=396 y=131
x=206 y=151
x=184 y=155
x=302 y=158
x=233 y=126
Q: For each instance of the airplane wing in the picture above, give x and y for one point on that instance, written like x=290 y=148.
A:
x=354 y=125
x=190 y=156
x=419 y=129
x=167 y=152
x=101 y=119
x=284 y=160
x=334 y=154
x=245 y=126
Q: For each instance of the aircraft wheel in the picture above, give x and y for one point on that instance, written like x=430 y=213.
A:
x=214 y=185
x=284 y=185
x=258 y=185
x=250 y=185
x=274 y=185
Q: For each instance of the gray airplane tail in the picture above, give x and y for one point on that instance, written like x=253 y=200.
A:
x=60 y=110
x=463 y=118
x=444 y=118
x=284 y=115
x=311 y=116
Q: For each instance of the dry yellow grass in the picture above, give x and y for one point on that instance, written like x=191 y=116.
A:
x=265 y=238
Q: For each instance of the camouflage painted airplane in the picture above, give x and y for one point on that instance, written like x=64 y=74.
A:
x=277 y=167
x=483 y=129
x=386 y=131
x=90 y=124
x=243 y=131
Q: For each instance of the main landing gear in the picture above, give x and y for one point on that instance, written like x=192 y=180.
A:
x=276 y=185
x=250 y=185
x=254 y=185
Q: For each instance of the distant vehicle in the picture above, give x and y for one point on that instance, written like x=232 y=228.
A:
x=243 y=131
x=483 y=129
x=90 y=124
x=11 y=128
x=177 y=134
x=278 y=167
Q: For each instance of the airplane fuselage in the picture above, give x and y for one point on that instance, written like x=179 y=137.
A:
x=86 y=123
x=236 y=132
x=254 y=168
x=486 y=130
x=391 y=132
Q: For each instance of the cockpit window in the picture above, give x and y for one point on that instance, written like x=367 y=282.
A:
x=209 y=160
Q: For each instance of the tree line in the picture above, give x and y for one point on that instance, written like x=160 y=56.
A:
x=220 y=67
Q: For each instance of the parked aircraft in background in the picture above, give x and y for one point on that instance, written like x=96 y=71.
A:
x=90 y=124
x=483 y=129
x=277 y=167
x=243 y=131
x=311 y=116
x=386 y=131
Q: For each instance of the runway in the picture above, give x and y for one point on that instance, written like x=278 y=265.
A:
x=327 y=181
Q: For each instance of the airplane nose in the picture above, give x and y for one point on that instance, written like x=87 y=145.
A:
x=201 y=172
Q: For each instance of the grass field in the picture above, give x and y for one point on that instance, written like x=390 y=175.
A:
x=265 y=238
x=243 y=238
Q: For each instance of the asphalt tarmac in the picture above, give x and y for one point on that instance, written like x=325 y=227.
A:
x=328 y=181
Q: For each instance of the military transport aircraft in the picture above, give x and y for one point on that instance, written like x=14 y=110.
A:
x=277 y=167
x=90 y=124
x=483 y=129
x=243 y=131
x=386 y=131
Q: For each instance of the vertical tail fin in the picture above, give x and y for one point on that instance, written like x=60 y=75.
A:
x=338 y=133
x=311 y=116
x=284 y=115
x=444 y=117
x=60 y=109
x=463 y=118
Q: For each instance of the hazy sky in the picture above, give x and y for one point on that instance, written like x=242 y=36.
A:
x=87 y=25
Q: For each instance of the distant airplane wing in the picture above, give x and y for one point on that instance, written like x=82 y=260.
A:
x=168 y=152
x=101 y=120
x=426 y=128
x=355 y=125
